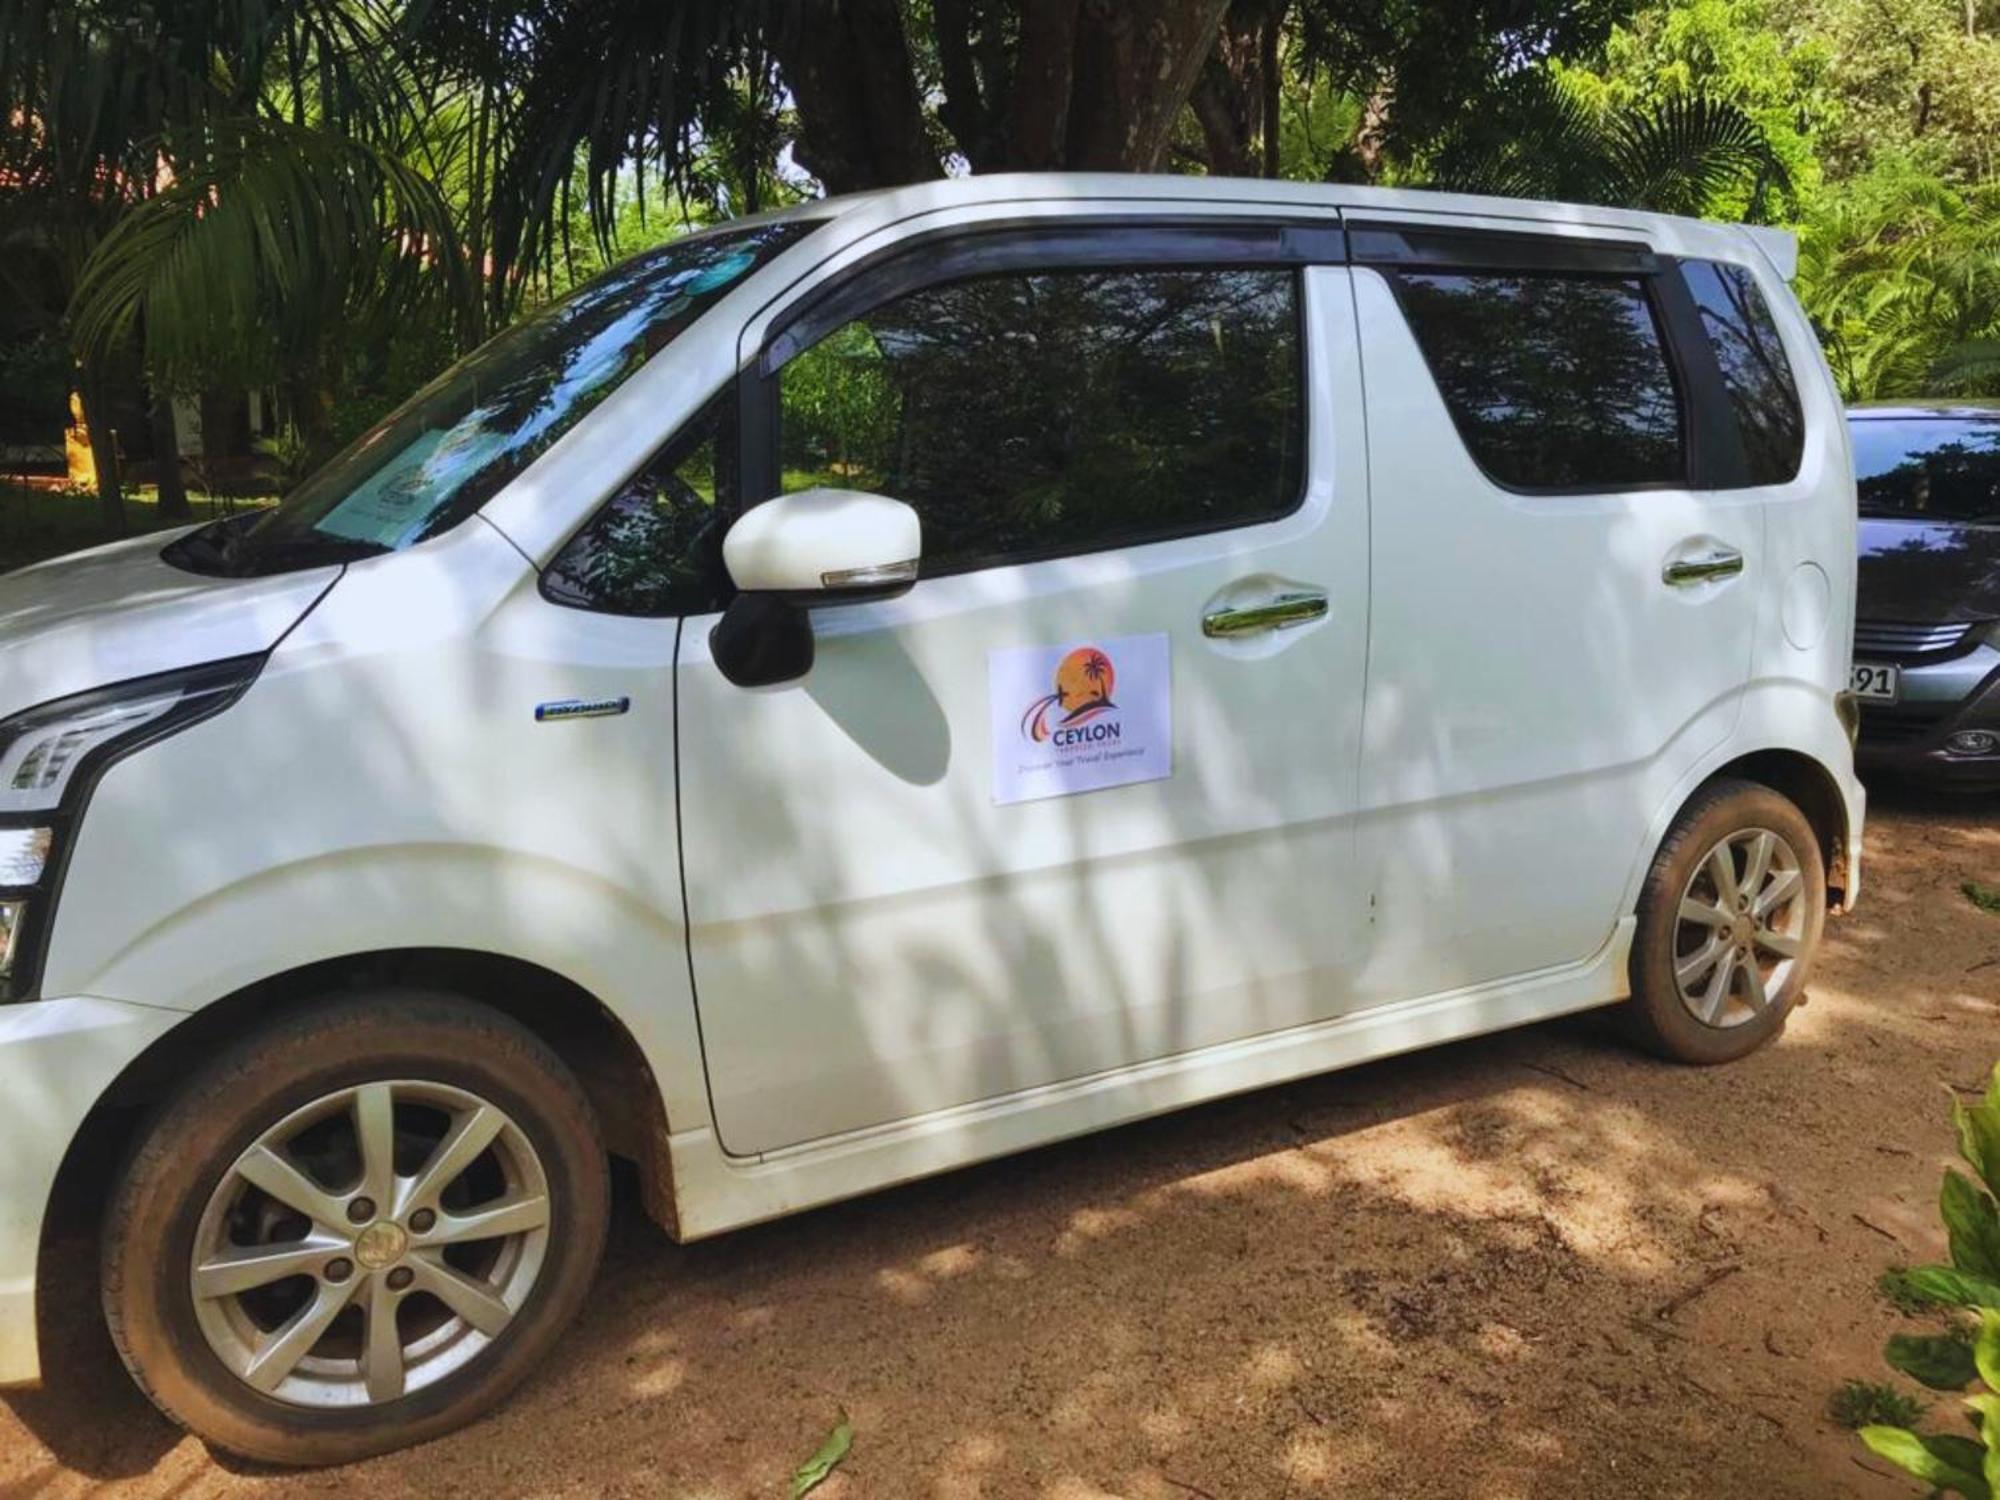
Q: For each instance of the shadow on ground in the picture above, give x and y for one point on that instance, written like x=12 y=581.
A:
x=1534 y=1264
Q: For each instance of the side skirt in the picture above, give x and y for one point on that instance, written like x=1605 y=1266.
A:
x=713 y=1191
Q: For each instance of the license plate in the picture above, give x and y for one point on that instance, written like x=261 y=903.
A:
x=1875 y=683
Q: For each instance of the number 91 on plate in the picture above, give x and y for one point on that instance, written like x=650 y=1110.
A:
x=1874 y=682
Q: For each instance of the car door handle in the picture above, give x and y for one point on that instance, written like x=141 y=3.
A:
x=1725 y=562
x=1281 y=613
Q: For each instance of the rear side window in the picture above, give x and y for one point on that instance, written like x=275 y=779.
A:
x=1556 y=380
x=1049 y=412
x=1755 y=372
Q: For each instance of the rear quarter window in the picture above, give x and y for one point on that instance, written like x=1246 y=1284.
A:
x=1750 y=356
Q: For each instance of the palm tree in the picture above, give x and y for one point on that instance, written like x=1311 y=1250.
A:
x=1535 y=139
x=211 y=177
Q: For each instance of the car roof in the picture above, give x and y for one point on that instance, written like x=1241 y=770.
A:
x=886 y=205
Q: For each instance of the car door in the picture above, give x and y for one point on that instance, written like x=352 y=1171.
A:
x=1564 y=599
x=1082 y=797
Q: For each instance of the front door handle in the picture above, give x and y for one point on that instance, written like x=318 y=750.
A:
x=1281 y=613
x=1723 y=562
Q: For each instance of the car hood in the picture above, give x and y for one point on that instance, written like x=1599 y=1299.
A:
x=1924 y=571
x=115 y=612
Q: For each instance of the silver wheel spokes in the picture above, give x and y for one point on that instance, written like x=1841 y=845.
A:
x=370 y=1243
x=1741 y=921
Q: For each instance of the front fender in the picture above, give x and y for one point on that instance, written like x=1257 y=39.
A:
x=509 y=902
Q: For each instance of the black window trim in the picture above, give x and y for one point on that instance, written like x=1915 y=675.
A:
x=966 y=252
x=1717 y=459
x=1450 y=247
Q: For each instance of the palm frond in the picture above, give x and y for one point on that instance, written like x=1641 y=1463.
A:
x=1533 y=139
x=248 y=257
x=1682 y=156
x=1536 y=139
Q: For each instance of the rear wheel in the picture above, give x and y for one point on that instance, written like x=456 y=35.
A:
x=356 y=1230
x=1729 y=923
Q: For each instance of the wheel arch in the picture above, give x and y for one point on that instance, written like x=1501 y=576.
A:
x=1810 y=787
x=605 y=1057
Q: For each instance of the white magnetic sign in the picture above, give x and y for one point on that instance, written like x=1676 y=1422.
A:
x=1080 y=717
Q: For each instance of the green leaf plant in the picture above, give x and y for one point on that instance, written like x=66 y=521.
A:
x=1966 y=1357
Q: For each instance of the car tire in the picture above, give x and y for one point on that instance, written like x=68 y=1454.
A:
x=1729 y=922
x=461 y=1121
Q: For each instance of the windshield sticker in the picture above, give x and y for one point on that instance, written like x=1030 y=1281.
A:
x=1080 y=717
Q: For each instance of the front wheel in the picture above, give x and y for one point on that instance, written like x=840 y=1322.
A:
x=356 y=1230
x=1729 y=924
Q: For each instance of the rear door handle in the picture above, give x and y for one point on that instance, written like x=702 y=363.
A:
x=1724 y=562
x=1281 y=613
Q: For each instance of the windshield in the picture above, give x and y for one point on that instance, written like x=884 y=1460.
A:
x=1928 y=468
x=446 y=451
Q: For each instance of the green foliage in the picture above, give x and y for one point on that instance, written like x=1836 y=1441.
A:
x=1685 y=154
x=1941 y=1361
x=841 y=408
x=1893 y=1287
x=239 y=268
x=1968 y=1352
x=1870 y=1403
x=1883 y=115
x=1733 y=51
x=1901 y=270
x=825 y=1459
x=1985 y=897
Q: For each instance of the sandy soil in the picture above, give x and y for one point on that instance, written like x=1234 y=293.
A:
x=1532 y=1265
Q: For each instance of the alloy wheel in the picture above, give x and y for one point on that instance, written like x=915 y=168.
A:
x=370 y=1243
x=1740 y=928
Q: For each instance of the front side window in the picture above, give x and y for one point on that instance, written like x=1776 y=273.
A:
x=452 y=446
x=1033 y=414
x=1556 y=381
x=656 y=546
x=1928 y=468
x=1755 y=373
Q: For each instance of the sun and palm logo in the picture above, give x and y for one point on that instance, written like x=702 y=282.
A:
x=1083 y=691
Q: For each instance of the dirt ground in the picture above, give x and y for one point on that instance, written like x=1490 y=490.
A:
x=1532 y=1265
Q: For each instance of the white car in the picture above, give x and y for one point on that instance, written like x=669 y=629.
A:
x=862 y=690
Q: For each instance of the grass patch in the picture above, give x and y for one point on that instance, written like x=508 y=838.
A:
x=1870 y=1403
x=1985 y=897
x=1893 y=1287
x=41 y=523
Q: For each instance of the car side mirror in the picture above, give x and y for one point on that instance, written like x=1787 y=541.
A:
x=801 y=552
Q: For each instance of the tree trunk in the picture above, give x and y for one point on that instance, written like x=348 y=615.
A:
x=1137 y=62
x=862 y=124
x=1267 y=60
x=94 y=400
x=1225 y=124
x=1089 y=85
x=167 y=461
x=312 y=414
x=1044 y=77
x=1235 y=100
x=1370 y=129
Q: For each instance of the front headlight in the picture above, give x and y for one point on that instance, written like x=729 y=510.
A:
x=51 y=757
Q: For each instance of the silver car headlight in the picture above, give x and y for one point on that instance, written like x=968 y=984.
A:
x=51 y=757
